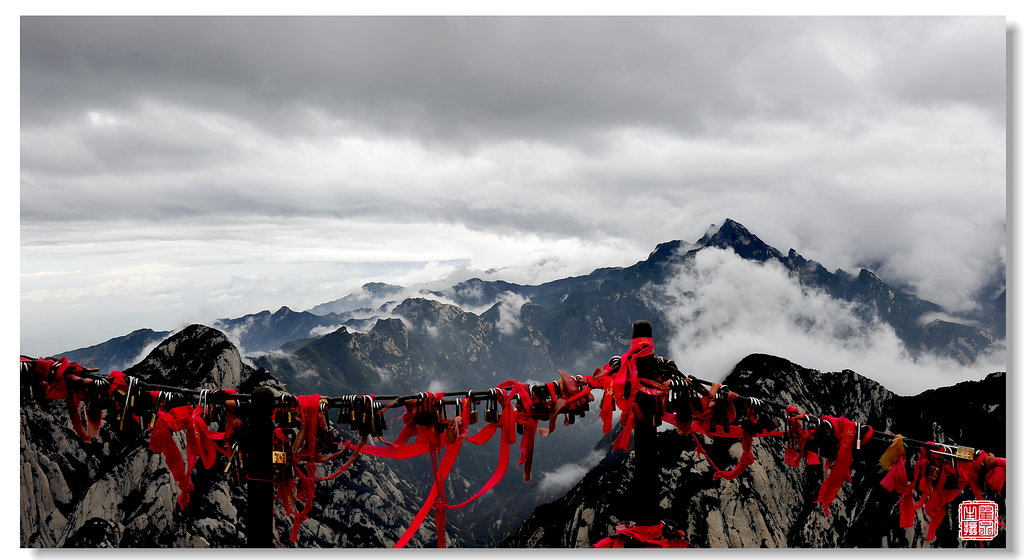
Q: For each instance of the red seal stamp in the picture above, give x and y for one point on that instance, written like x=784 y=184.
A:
x=979 y=520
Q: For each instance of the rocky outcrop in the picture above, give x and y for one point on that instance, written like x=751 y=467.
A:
x=114 y=492
x=772 y=505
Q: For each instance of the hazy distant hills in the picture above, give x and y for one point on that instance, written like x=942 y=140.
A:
x=117 y=353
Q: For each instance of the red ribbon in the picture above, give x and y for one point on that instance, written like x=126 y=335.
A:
x=61 y=380
x=935 y=496
x=436 y=499
x=199 y=444
x=649 y=535
x=304 y=448
x=896 y=481
x=839 y=468
x=160 y=441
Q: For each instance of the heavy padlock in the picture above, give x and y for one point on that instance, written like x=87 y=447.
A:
x=491 y=409
x=371 y=427
x=342 y=415
x=279 y=453
x=381 y=424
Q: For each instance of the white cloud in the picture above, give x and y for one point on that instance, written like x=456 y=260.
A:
x=437 y=386
x=323 y=329
x=509 y=308
x=564 y=476
x=724 y=308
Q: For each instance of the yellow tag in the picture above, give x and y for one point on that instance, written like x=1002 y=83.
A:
x=964 y=452
x=893 y=453
x=280 y=457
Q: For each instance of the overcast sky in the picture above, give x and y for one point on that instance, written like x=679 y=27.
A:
x=182 y=169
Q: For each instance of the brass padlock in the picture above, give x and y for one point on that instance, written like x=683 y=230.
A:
x=491 y=412
x=964 y=452
x=279 y=457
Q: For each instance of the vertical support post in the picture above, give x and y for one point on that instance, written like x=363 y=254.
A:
x=646 y=487
x=258 y=445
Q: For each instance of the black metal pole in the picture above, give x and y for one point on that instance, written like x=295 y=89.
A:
x=258 y=446
x=646 y=487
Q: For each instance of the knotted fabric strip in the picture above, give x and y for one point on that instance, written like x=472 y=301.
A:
x=839 y=468
x=896 y=481
x=162 y=442
x=648 y=536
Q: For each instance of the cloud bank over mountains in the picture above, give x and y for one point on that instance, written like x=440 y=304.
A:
x=182 y=168
x=724 y=308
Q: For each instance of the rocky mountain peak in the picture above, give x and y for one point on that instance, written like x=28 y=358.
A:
x=476 y=292
x=732 y=235
x=196 y=356
x=420 y=311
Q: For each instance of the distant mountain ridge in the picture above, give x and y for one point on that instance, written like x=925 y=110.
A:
x=119 y=352
x=575 y=311
x=909 y=315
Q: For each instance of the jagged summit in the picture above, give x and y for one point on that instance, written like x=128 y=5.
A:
x=732 y=235
x=196 y=356
x=199 y=356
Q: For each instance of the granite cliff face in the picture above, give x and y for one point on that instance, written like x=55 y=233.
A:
x=114 y=492
x=771 y=504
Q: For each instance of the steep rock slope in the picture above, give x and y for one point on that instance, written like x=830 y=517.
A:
x=771 y=505
x=114 y=492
